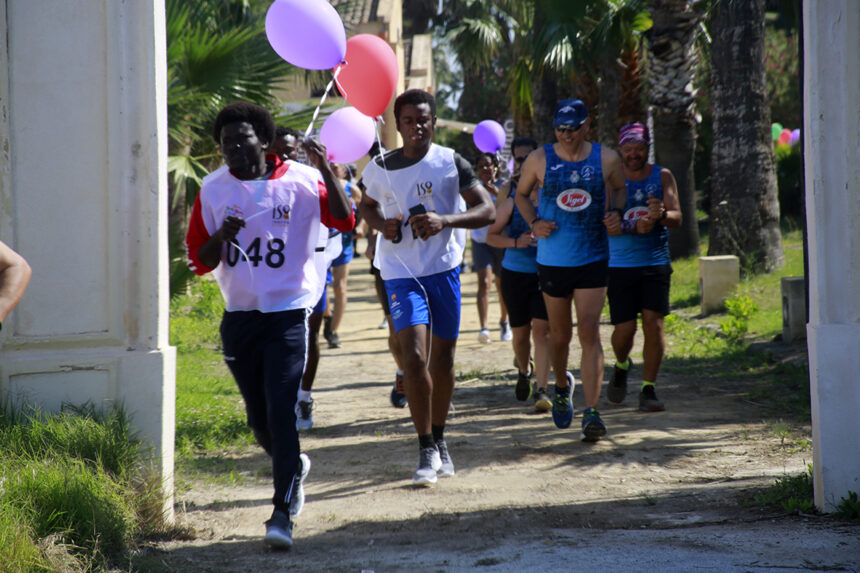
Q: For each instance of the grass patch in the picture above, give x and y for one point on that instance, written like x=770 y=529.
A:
x=75 y=492
x=791 y=493
x=210 y=413
x=718 y=347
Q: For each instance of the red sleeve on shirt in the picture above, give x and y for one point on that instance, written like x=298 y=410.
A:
x=327 y=218
x=195 y=238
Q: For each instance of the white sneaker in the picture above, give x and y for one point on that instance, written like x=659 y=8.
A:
x=484 y=336
x=446 y=469
x=429 y=463
x=505 y=328
x=304 y=416
x=297 y=501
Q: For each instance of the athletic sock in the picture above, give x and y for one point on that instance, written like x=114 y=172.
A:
x=304 y=395
x=438 y=432
x=399 y=372
x=623 y=365
x=646 y=384
x=426 y=441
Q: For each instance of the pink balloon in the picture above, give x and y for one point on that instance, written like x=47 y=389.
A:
x=489 y=136
x=368 y=79
x=795 y=137
x=307 y=33
x=784 y=136
x=347 y=135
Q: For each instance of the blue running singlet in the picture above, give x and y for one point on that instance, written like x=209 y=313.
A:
x=519 y=260
x=646 y=250
x=574 y=197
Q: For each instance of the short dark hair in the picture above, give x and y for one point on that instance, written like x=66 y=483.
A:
x=414 y=97
x=493 y=157
x=256 y=115
x=281 y=131
x=523 y=141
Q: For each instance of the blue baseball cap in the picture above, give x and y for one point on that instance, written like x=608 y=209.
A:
x=570 y=112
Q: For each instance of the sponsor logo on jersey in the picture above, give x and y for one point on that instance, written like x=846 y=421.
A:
x=573 y=200
x=651 y=189
x=574 y=177
x=587 y=172
x=556 y=167
x=639 y=195
x=281 y=214
x=635 y=212
x=424 y=188
x=234 y=211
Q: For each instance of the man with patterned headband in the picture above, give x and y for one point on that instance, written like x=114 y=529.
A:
x=572 y=250
x=639 y=264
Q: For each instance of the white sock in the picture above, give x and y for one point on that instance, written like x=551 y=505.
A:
x=304 y=395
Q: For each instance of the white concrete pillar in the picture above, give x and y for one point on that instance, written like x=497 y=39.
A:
x=718 y=278
x=83 y=172
x=831 y=136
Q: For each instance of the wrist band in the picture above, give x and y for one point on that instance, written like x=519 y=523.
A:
x=535 y=220
x=663 y=216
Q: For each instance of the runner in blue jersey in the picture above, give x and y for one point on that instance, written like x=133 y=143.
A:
x=521 y=289
x=639 y=264
x=420 y=197
x=573 y=250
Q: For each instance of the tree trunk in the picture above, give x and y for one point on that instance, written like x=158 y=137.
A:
x=745 y=205
x=672 y=40
x=545 y=95
x=610 y=96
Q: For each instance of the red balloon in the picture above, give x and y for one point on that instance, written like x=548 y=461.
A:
x=784 y=136
x=368 y=79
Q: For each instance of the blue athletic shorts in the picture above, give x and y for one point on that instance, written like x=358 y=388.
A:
x=409 y=304
x=345 y=256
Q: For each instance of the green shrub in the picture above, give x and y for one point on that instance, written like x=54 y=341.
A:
x=849 y=507
x=19 y=551
x=792 y=493
x=740 y=309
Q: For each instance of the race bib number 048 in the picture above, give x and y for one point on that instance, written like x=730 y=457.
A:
x=272 y=254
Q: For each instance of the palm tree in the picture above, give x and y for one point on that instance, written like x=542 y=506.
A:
x=672 y=65
x=217 y=52
x=744 y=199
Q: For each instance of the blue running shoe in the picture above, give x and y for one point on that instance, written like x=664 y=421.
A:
x=593 y=427
x=562 y=405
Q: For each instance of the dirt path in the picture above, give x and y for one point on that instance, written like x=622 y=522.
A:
x=661 y=492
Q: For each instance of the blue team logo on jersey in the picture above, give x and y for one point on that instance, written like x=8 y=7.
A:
x=651 y=189
x=572 y=200
x=638 y=195
x=574 y=177
x=587 y=172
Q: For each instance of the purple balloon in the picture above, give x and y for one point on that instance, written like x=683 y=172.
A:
x=347 y=135
x=489 y=136
x=795 y=137
x=307 y=33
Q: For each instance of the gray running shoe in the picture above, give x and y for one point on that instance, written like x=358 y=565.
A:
x=447 y=467
x=648 y=400
x=429 y=463
x=616 y=391
x=279 y=531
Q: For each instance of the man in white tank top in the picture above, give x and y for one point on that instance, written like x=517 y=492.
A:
x=420 y=197
x=255 y=224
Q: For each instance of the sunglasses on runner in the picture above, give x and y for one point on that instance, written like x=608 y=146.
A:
x=569 y=128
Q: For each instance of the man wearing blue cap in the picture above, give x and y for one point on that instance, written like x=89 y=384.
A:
x=573 y=250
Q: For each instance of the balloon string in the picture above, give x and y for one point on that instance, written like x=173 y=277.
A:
x=322 y=101
x=394 y=251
